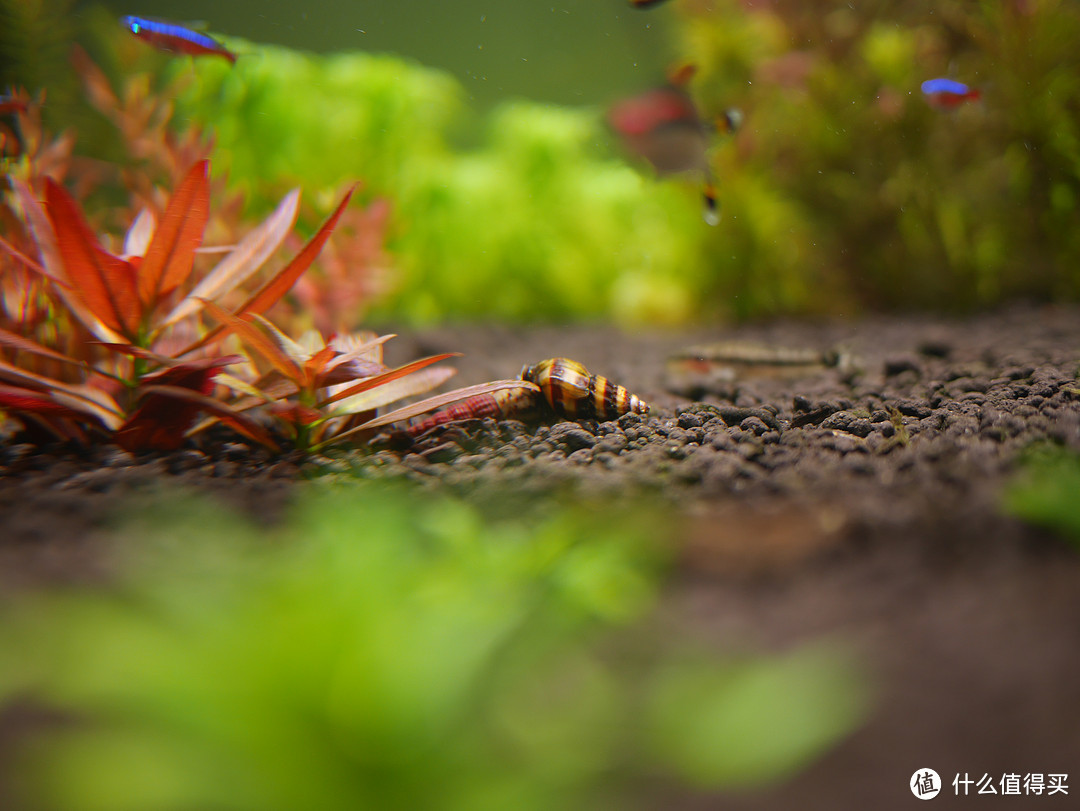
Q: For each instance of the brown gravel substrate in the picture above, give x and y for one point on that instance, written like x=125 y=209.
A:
x=863 y=506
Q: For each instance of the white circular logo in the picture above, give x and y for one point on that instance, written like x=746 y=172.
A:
x=925 y=784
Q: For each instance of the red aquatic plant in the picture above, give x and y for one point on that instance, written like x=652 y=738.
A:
x=319 y=389
x=143 y=372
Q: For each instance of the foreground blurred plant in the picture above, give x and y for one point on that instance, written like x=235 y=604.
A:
x=439 y=659
x=1047 y=491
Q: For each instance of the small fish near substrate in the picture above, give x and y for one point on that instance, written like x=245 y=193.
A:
x=866 y=505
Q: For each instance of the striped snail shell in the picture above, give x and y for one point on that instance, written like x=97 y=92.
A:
x=572 y=392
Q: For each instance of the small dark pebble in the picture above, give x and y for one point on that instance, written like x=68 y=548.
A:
x=612 y=443
x=912 y=408
x=121 y=458
x=734 y=415
x=235 y=451
x=689 y=420
x=898 y=365
x=848 y=422
x=754 y=425
x=225 y=469
x=186 y=460
x=812 y=417
x=445 y=452
x=934 y=348
x=571 y=436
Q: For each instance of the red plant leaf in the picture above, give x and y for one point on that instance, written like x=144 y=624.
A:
x=29 y=263
x=37 y=411
x=273 y=290
x=171 y=253
x=243 y=261
x=84 y=399
x=223 y=413
x=26 y=345
x=257 y=340
x=316 y=365
x=171 y=401
x=45 y=236
x=16 y=399
x=105 y=283
x=297 y=413
x=197 y=375
x=386 y=377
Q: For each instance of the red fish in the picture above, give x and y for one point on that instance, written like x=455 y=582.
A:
x=176 y=38
x=12 y=103
x=664 y=127
x=947 y=94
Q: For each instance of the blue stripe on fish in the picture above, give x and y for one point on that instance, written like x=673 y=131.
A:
x=137 y=24
x=931 y=86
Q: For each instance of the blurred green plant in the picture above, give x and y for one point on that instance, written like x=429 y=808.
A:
x=34 y=38
x=1047 y=492
x=382 y=651
x=537 y=223
x=847 y=189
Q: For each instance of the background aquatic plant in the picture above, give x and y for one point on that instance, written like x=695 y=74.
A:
x=536 y=223
x=881 y=200
x=383 y=651
x=844 y=190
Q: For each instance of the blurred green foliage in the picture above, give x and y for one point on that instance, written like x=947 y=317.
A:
x=537 y=223
x=380 y=651
x=1047 y=492
x=847 y=189
x=34 y=38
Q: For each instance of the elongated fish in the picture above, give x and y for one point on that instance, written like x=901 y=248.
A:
x=948 y=94
x=175 y=38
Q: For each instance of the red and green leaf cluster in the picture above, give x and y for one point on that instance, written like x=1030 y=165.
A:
x=96 y=344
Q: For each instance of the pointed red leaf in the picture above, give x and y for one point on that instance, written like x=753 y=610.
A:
x=316 y=365
x=45 y=236
x=393 y=374
x=171 y=253
x=278 y=286
x=21 y=400
x=26 y=345
x=273 y=290
x=37 y=411
x=105 y=283
x=29 y=263
x=257 y=340
x=80 y=397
